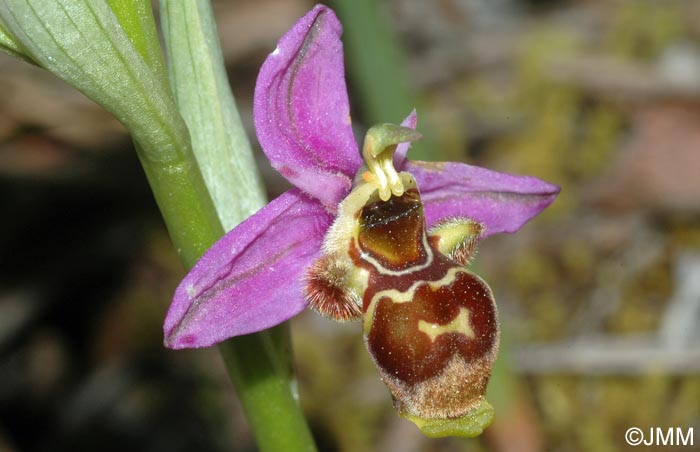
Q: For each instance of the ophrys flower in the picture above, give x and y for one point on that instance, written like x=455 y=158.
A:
x=387 y=241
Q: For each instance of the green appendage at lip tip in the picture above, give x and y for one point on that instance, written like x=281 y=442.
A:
x=468 y=426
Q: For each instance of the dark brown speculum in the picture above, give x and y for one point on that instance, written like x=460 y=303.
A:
x=391 y=231
x=430 y=325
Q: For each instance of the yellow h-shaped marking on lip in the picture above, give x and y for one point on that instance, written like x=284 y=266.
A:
x=459 y=324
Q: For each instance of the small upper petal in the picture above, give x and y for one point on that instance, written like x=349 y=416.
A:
x=301 y=110
x=400 y=154
x=251 y=279
x=502 y=202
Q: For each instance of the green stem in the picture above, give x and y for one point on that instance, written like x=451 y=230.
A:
x=259 y=364
x=259 y=367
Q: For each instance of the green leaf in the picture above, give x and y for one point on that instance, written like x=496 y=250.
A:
x=10 y=46
x=199 y=82
x=83 y=43
x=136 y=19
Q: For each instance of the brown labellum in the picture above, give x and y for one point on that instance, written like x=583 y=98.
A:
x=430 y=325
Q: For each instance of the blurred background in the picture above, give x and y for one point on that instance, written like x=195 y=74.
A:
x=599 y=296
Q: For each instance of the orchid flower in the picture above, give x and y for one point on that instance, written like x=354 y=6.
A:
x=386 y=241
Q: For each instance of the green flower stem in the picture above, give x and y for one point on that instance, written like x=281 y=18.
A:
x=258 y=364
